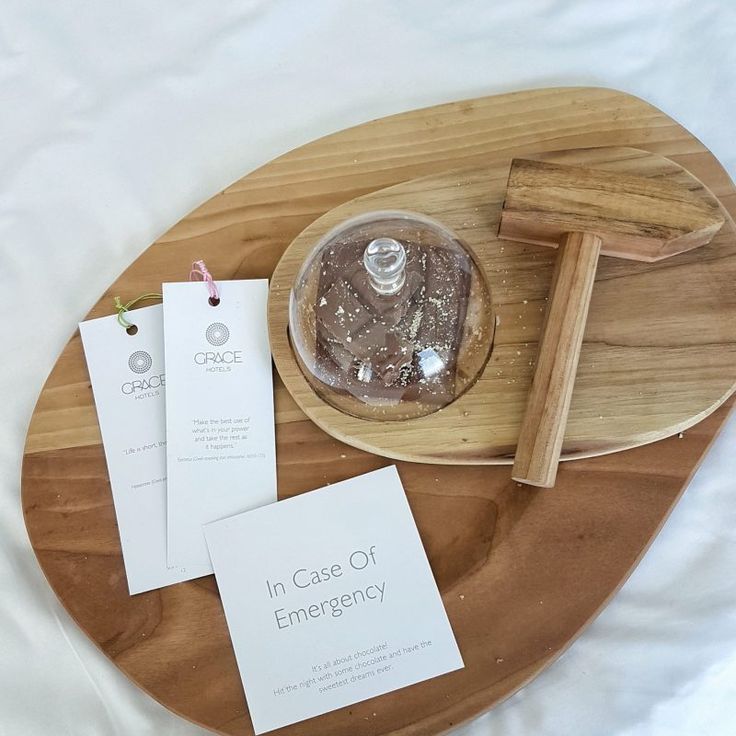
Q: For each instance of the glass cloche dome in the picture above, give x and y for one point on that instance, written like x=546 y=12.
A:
x=390 y=316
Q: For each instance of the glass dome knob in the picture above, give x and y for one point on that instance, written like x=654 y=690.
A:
x=385 y=261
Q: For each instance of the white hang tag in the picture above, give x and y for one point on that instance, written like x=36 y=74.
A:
x=128 y=382
x=221 y=454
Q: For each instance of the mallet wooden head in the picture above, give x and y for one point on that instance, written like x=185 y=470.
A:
x=586 y=212
x=645 y=219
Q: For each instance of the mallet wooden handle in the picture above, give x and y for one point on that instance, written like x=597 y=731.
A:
x=543 y=426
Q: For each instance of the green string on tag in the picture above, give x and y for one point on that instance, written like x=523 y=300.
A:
x=123 y=308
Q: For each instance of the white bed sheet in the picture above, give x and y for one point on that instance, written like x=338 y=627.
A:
x=118 y=118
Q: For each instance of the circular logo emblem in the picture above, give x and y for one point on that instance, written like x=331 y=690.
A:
x=217 y=334
x=140 y=362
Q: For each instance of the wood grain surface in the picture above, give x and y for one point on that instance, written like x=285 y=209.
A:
x=521 y=571
x=548 y=404
x=645 y=218
x=660 y=343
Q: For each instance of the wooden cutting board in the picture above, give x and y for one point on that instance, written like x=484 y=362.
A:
x=659 y=352
x=521 y=571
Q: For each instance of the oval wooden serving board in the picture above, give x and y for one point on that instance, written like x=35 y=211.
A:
x=521 y=571
x=659 y=353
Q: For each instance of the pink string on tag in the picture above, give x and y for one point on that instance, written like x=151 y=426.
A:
x=199 y=272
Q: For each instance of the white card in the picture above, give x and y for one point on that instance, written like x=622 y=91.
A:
x=221 y=454
x=329 y=599
x=128 y=382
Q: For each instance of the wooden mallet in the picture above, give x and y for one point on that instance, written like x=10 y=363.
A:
x=584 y=213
